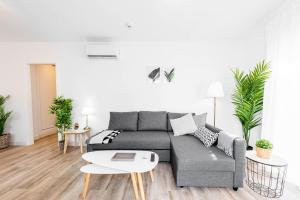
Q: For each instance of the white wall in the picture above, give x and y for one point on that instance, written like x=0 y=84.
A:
x=122 y=85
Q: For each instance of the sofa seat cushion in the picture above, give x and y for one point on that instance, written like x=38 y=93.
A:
x=152 y=121
x=190 y=154
x=137 y=140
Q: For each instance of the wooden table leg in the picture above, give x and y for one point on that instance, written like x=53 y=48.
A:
x=151 y=175
x=66 y=143
x=86 y=185
x=134 y=183
x=81 y=141
x=141 y=186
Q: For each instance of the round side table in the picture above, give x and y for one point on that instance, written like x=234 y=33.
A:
x=266 y=176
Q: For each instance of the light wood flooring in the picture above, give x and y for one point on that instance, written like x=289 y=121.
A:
x=41 y=172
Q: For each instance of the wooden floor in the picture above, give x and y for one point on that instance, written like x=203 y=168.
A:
x=41 y=171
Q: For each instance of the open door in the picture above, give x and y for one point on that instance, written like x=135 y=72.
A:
x=43 y=87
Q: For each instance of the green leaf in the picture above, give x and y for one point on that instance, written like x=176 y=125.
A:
x=3 y=114
x=62 y=109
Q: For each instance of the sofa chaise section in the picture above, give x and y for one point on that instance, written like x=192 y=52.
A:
x=198 y=165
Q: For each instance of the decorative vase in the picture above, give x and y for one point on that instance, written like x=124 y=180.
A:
x=76 y=126
x=263 y=153
x=4 y=141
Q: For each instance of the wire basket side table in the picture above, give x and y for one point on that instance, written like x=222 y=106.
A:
x=266 y=176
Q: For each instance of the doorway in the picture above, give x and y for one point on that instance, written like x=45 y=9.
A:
x=43 y=89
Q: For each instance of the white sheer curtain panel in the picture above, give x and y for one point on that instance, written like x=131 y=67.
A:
x=281 y=115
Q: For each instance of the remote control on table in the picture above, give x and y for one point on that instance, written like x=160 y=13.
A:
x=152 y=157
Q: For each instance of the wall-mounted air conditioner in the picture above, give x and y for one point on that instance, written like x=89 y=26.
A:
x=102 y=51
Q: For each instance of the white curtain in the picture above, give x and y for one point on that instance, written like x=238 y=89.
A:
x=281 y=115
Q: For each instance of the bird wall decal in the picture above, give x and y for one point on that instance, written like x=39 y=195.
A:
x=170 y=75
x=155 y=74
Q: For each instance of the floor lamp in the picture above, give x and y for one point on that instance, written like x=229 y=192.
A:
x=86 y=112
x=215 y=90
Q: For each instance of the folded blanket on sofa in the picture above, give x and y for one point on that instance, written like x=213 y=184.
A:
x=104 y=137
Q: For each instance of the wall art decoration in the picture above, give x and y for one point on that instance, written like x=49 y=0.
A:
x=169 y=74
x=154 y=75
x=161 y=74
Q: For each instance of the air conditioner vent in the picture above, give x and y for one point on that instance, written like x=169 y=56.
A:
x=102 y=51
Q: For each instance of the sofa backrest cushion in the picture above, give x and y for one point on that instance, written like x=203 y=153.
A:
x=125 y=121
x=152 y=121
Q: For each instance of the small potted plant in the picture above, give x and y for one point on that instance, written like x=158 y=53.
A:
x=264 y=148
x=4 y=137
x=62 y=109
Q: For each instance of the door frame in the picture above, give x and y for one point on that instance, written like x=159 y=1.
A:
x=36 y=123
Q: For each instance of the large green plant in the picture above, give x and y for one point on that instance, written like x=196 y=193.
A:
x=248 y=96
x=62 y=109
x=3 y=115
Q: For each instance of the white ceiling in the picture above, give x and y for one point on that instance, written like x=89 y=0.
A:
x=151 y=20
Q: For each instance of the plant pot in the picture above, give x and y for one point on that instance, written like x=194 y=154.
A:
x=61 y=145
x=249 y=148
x=263 y=153
x=4 y=141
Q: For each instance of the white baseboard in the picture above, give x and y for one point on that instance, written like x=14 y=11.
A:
x=18 y=144
x=43 y=135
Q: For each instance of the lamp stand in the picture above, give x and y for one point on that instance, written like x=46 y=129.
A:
x=86 y=123
x=215 y=105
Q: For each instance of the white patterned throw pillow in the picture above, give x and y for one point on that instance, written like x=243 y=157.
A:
x=206 y=136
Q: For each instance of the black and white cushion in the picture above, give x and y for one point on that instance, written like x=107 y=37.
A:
x=206 y=136
x=109 y=138
x=104 y=137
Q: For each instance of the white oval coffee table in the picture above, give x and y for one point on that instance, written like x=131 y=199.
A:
x=102 y=164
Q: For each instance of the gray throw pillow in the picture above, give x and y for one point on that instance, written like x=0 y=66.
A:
x=200 y=120
x=152 y=121
x=206 y=136
x=125 y=121
x=225 y=143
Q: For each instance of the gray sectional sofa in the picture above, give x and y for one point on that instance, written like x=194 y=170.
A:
x=193 y=164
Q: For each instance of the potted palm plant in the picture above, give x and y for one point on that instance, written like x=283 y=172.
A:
x=248 y=97
x=4 y=137
x=62 y=109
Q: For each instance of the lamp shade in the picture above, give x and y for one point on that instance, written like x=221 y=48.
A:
x=86 y=111
x=215 y=90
